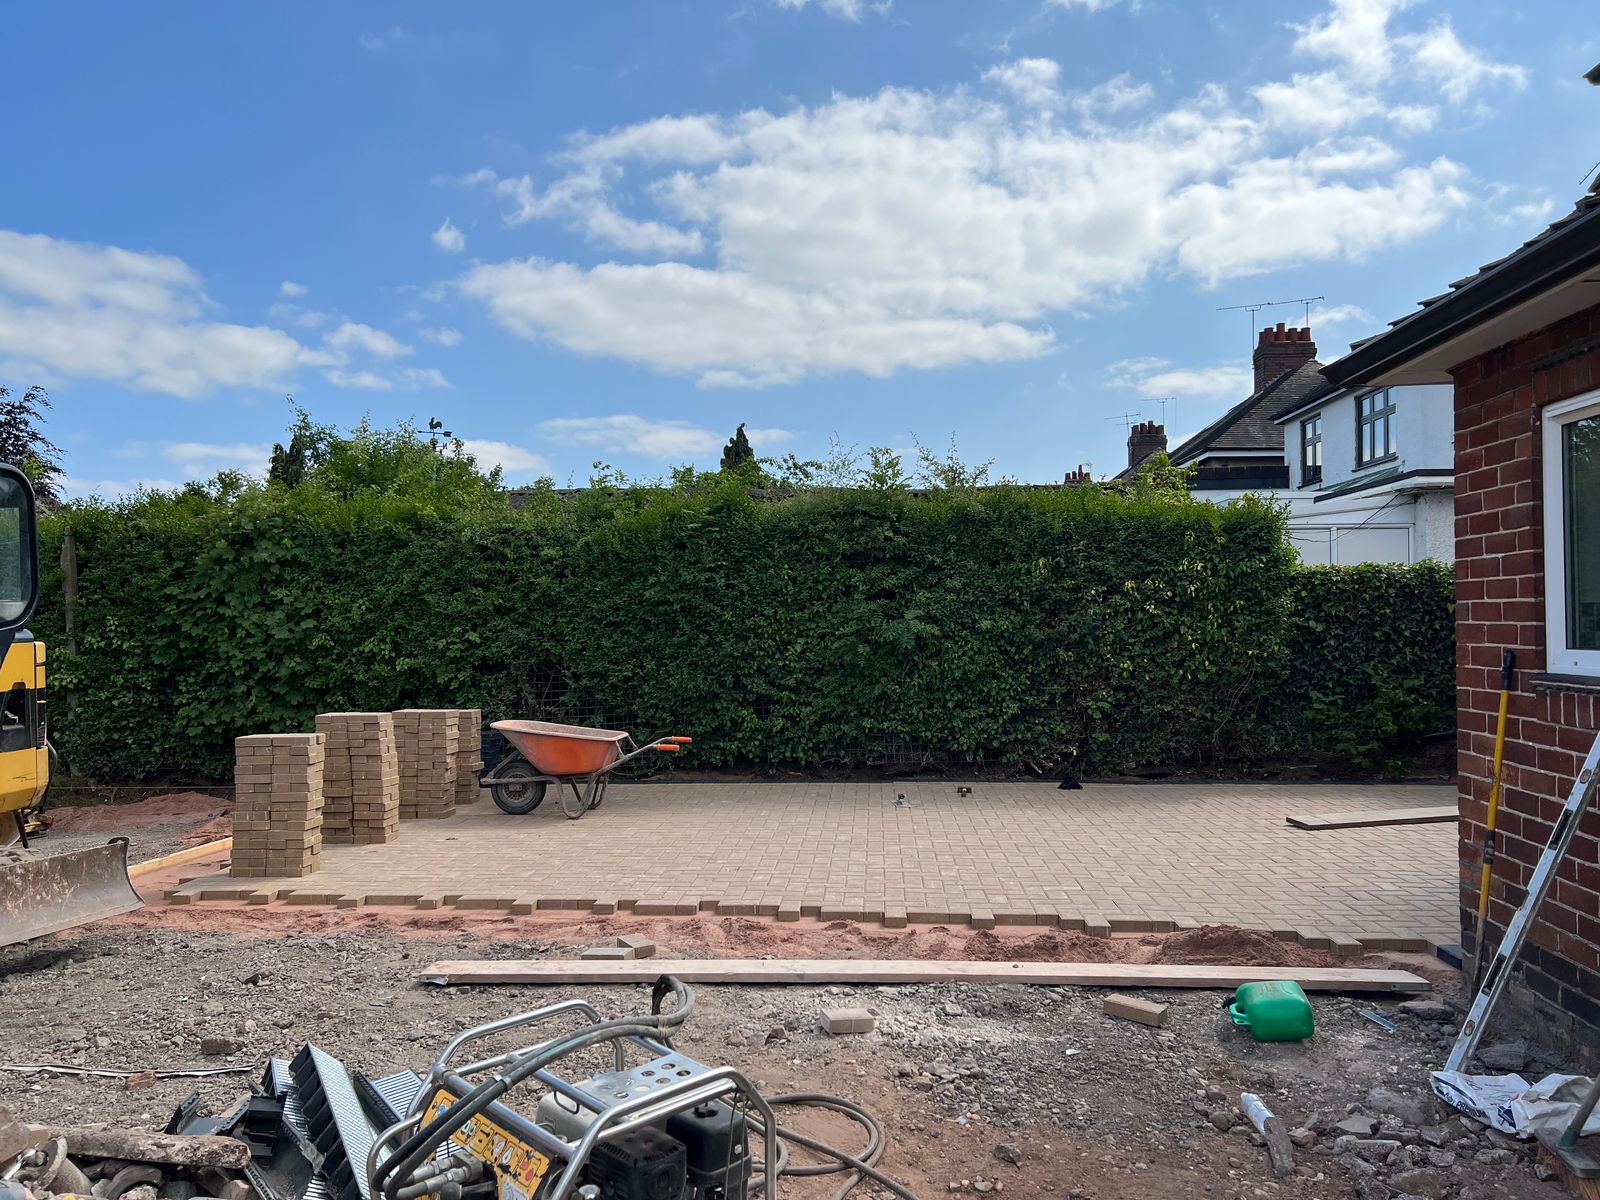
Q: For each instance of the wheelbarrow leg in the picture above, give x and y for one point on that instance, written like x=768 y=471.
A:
x=579 y=804
x=600 y=791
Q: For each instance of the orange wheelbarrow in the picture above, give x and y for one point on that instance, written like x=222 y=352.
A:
x=571 y=755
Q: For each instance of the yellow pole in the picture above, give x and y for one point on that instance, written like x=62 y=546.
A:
x=1507 y=663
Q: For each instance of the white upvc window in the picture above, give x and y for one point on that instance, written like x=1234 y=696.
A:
x=1572 y=535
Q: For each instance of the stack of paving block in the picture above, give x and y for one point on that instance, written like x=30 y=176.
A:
x=277 y=814
x=469 y=755
x=426 y=739
x=360 y=779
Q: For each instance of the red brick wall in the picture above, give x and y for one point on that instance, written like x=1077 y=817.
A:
x=1500 y=593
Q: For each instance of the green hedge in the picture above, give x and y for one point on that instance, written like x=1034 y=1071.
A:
x=1036 y=626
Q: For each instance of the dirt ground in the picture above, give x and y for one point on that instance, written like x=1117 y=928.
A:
x=154 y=827
x=1089 y=1105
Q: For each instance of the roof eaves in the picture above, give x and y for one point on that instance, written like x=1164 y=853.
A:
x=1566 y=248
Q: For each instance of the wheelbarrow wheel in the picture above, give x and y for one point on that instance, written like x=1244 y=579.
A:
x=518 y=789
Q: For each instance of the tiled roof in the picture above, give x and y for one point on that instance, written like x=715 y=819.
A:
x=1248 y=425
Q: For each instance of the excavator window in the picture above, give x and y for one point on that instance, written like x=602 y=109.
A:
x=18 y=588
x=14 y=733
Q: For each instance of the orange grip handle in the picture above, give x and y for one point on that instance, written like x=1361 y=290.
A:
x=682 y=741
x=669 y=746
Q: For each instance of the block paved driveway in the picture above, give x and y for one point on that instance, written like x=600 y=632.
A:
x=1128 y=858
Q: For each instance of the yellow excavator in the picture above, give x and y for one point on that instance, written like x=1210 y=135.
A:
x=39 y=893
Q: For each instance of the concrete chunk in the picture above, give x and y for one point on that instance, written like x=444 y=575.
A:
x=848 y=1020
x=1131 y=1008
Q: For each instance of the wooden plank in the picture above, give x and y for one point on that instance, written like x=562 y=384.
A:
x=204 y=850
x=554 y=971
x=1377 y=816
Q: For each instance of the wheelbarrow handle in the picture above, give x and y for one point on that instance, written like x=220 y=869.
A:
x=669 y=747
x=682 y=741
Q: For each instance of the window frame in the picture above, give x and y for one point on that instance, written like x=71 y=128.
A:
x=1306 y=469
x=1561 y=658
x=1386 y=414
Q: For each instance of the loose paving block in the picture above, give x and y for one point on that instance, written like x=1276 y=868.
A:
x=641 y=946
x=278 y=805
x=847 y=1020
x=426 y=740
x=1131 y=1008
x=608 y=953
x=361 y=778
x=469 y=755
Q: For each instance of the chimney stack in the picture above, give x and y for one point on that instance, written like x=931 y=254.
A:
x=1279 y=350
x=1145 y=439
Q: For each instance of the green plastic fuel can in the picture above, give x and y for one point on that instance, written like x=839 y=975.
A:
x=1277 y=1011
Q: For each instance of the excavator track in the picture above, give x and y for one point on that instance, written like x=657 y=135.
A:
x=42 y=894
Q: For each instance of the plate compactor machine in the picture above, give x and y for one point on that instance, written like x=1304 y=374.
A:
x=39 y=894
x=654 y=1124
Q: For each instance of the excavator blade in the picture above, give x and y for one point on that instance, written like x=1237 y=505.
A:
x=42 y=894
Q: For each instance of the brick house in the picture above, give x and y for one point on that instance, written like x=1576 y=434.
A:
x=1519 y=341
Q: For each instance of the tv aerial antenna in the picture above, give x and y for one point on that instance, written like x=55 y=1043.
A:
x=1163 y=401
x=1127 y=419
x=1253 y=309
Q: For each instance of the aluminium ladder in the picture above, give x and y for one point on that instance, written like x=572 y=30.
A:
x=1494 y=980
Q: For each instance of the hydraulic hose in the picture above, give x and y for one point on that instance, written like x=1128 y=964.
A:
x=856 y=1168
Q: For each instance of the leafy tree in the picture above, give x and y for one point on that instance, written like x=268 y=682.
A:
x=24 y=444
x=737 y=454
x=1157 y=479
x=949 y=472
x=367 y=460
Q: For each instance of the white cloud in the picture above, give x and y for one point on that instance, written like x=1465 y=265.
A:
x=76 y=488
x=921 y=229
x=137 y=318
x=1035 y=82
x=293 y=314
x=441 y=335
x=1319 y=103
x=202 y=460
x=1459 y=70
x=388 y=39
x=1355 y=33
x=729 y=328
x=290 y=288
x=411 y=379
x=353 y=336
x=76 y=310
x=1089 y=5
x=632 y=434
x=448 y=238
x=845 y=10
x=580 y=197
x=1158 y=377
x=513 y=460
x=1331 y=316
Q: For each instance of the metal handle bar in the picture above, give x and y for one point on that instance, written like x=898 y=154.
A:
x=642 y=1110
x=479 y=1032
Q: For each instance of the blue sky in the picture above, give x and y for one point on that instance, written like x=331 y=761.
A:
x=614 y=231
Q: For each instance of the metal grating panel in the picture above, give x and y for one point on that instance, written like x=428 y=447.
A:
x=334 y=1121
x=278 y=1082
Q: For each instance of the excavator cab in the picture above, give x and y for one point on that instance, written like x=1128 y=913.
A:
x=39 y=893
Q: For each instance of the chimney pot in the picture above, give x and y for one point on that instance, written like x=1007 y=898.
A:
x=1144 y=439
x=1281 y=349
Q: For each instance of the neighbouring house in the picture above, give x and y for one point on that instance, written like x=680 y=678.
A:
x=1371 y=474
x=1518 y=344
x=1365 y=478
